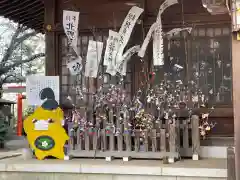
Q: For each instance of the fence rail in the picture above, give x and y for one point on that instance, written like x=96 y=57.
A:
x=165 y=140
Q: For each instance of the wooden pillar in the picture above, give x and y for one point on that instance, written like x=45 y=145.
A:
x=231 y=175
x=236 y=100
x=50 y=38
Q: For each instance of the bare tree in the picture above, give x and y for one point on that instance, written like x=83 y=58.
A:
x=17 y=54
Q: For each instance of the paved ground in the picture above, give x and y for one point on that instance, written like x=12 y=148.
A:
x=15 y=165
x=17 y=147
x=14 y=146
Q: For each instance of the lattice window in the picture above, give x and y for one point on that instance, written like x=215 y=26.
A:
x=205 y=56
x=69 y=82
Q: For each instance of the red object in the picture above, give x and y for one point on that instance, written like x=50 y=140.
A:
x=152 y=76
x=19 y=115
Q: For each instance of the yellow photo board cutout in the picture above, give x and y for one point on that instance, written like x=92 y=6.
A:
x=45 y=133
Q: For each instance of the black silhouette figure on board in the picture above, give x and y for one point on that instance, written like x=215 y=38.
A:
x=50 y=103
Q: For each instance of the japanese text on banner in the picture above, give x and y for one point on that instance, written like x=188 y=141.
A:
x=93 y=58
x=158 y=45
x=122 y=68
x=126 y=29
x=111 y=48
x=146 y=41
x=75 y=66
x=70 y=25
x=158 y=34
x=165 y=5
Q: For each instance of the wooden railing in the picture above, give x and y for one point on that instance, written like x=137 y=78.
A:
x=164 y=141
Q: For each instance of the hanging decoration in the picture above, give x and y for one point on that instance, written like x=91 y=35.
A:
x=122 y=68
x=146 y=41
x=158 y=45
x=165 y=5
x=70 y=26
x=110 y=47
x=175 y=31
x=113 y=109
x=111 y=52
x=75 y=66
x=235 y=5
x=158 y=35
x=126 y=30
x=216 y=7
x=94 y=55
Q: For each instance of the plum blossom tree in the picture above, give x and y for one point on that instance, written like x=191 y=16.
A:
x=21 y=52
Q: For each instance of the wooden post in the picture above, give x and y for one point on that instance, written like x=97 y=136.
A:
x=195 y=137
x=50 y=38
x=172 y=141
x=19 y=115
x=231 y=174
x=236 y=100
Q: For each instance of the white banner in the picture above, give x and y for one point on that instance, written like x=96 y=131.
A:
x=158 y=34
x=165 y=5
x=146 y=41
x=94 y=55
x=175 y=31
x=75 y=66
x=35 y=84
x=158 y=45
x=122 y=67
x=126 y=30
x=70 y=26
x=111 y=48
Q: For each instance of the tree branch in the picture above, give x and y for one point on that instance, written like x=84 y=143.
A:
x=23 y=38
x=14 y=79
x=18 y=63
x=11 y=47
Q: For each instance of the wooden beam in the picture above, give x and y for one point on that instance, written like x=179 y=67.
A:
x=236 y=101
x=11 y=6
x=23 y=7
x=37 y=17
x=34 y=24
x=50 y=38
x=24 y=12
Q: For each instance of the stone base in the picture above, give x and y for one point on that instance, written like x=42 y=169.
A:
x=91 y=169
x=110 y=158
x=72 y=176
x=126 y=159
x=195 y=157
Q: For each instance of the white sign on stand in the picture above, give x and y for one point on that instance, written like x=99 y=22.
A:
x=35 y=84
